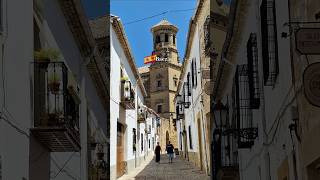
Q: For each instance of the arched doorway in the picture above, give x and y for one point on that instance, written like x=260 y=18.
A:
x=167 y=137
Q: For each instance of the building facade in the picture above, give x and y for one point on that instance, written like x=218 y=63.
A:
x=46 y=104
x=193 y=96
x=161 y=79
x=261 y=130
x=132 y=124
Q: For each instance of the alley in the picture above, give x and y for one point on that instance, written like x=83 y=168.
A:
x=178 y=170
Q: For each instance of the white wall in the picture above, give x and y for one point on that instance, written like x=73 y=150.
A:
x=16 y=53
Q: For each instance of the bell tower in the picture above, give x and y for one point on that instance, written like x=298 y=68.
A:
x=165 y=41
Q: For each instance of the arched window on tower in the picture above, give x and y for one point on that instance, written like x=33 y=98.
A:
x=174 y=39
x=157 y=39
x=166 y=38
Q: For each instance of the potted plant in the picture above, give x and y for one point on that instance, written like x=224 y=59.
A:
x=46 y=55
x=124 y=78
x=54 y=83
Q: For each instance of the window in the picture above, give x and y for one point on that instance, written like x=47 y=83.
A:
x=134 y=138
x=252 y=56
x=175 y=82
x=159 y=108
x=190 y=138
x=166 y=38
x=194 y=72
x=242 y=117
x=269 y=42
x=157 y=39
x=141 y=142
x=159 y=83
x=174 y=39
x=186 y=95
x=188 y=84
x=149 y=144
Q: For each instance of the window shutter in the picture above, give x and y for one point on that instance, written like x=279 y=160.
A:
x=252 y=57
x=269 y=42
x=188 y=84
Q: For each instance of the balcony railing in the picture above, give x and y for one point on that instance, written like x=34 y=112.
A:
x=127 y=95
x=56 y=111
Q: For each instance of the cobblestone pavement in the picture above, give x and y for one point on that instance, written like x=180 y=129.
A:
x=178 y=170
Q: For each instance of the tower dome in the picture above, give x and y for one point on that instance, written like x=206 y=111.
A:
x=165 y=41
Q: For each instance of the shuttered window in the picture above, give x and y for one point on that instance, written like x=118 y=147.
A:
x=253 y=77
x=269 y=42
x=194 y=72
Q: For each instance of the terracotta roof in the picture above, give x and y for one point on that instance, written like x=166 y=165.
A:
x=99 y=26
x=143 y=69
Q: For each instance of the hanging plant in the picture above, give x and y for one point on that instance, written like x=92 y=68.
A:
x=54 y=83
x=124 y=78
x=47 y=55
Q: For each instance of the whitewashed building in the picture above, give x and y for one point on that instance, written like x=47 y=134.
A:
x=192 y=102
x=253 y=96
x=54 y=86
x=132 y=124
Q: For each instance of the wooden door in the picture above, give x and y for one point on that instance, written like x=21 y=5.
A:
x=120 y=150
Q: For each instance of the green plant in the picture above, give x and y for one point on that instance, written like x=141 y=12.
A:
x=124 y=78
x=54 y=78
x=47 y=54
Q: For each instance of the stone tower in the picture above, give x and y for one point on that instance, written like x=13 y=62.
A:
x=161 y=79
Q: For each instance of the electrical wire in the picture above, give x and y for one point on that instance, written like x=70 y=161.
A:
x=156 y=15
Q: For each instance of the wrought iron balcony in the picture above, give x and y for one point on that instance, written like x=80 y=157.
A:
x=56 y=110
x=127 y=95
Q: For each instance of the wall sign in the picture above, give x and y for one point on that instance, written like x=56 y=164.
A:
x=311 y=83
x=308 y=40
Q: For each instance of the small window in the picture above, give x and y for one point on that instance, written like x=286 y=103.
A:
x=190 y=138
x=166 y=38
x=159 y=83
x=175 y=82
x=157 y=39
x=141 y=142
x=159 y=108
x=174 y=39
x=194 y=72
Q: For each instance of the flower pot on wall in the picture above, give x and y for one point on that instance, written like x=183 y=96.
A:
x=54 y=87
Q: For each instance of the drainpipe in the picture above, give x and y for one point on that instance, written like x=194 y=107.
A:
x=295 y=173
x=83 y=121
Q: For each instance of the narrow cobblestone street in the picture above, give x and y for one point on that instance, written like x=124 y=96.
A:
x=178 y=170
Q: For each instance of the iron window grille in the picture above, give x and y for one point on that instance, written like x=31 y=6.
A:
x=269 y=42
x=190 y=138
x=242 y=113
x=194 y=72
x=252 y=57
x=188 y=84
x=186 y=100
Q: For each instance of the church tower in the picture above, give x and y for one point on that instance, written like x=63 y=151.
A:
x=161 y=79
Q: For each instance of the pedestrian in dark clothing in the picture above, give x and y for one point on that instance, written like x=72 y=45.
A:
x=170 y=152
x=157 y=152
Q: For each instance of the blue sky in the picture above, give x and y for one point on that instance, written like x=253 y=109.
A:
x=95 y=8
x=139 y=35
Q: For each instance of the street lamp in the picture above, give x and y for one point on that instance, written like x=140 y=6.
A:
x=220 y=112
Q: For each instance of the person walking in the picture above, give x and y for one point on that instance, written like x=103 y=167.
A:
x=157 y=152
x=170 y=152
